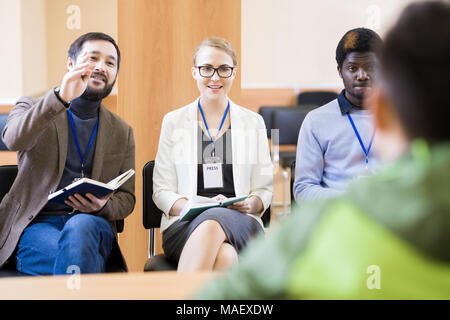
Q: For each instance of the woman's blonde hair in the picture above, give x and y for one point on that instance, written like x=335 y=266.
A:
x=219 y=43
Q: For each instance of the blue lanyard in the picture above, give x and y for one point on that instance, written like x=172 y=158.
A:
x=213 y=152
x=360 y=140
x=82 y=159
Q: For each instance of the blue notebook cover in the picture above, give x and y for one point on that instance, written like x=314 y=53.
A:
x=86 y=185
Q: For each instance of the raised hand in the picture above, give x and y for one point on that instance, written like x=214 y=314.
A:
x=76 y=80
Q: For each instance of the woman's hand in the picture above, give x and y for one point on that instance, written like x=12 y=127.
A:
x=177 y=207
x=220 y=198
x=252 y=204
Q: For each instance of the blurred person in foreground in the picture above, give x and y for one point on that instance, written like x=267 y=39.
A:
x=388 y=237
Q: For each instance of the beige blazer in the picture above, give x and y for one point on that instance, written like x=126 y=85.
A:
x=175 y=172
x=38 y=130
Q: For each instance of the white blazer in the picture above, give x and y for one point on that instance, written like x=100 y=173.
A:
x=175 y=172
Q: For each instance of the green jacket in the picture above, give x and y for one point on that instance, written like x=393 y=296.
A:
x=387 y=238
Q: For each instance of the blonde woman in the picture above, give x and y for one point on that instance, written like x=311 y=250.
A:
x=212 y=130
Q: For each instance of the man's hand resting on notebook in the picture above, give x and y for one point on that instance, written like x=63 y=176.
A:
x=87 y=204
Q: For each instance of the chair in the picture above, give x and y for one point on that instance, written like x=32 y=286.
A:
x=152 y=220
x=318 y=98
x=292 y=181
x=3 y=118
x=290 y=119
x=8 y=174
x=288 y=123
x=266 y=114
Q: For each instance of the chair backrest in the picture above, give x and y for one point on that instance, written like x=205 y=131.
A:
x=3 y=118
x=7 y=176
x=120 y=225
x=289 y=121
x=318 y=98
x=266 y=114
x=292 y=181
x=151 y=213
x=266 y=218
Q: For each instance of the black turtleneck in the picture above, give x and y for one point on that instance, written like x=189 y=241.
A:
x=85 y=109
x=85 y=115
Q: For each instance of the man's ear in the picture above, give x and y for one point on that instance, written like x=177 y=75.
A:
x=70 y=63
x=339 y=71
x=194 y=72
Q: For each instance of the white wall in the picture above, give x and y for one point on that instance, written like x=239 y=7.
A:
x=292 y=43
x=285 y=43
x=34 y=53
x=10 y=51
x=35 y=38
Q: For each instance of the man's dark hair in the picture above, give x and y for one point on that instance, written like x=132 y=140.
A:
x=357 y=40
x=415 y=67
x=77 y=45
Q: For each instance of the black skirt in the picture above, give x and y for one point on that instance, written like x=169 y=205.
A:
x=238 y=227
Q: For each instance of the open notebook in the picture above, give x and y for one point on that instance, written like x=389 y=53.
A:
x=199 y=204
x=86 y=185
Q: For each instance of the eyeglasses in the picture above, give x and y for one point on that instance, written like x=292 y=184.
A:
x=222 y=71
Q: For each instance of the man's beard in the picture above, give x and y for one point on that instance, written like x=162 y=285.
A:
x=361 y=95
x=96 y=95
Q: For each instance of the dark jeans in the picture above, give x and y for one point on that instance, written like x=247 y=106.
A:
x=64 y=244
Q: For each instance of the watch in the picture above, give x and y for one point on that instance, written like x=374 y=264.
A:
x=66 y=104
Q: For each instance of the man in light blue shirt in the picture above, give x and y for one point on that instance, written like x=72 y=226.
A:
x=335 y=140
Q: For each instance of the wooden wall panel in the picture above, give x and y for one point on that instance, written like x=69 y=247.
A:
x=157 y=39
x=5 y=108
x=7 y=157
x=110 y=102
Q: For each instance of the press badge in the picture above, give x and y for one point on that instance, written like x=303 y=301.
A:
x=212 y=175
